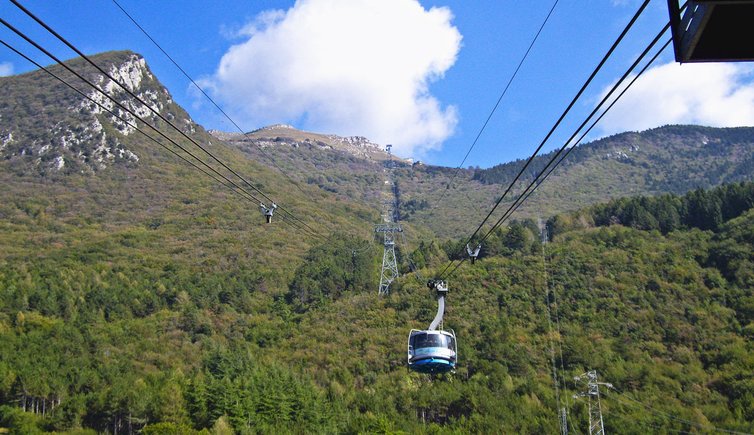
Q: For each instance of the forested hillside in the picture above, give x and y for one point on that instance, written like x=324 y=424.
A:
x=111 y=342
x=670 y=159
x=138 y=295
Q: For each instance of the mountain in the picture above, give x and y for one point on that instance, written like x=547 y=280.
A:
x=671 y=159
x=65 y=132
x=139 y=295
x=282 y=135
x=85 y=176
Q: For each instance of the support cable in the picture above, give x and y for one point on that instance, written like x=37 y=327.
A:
x=615 y=87
x=557 y=123
x=526 y=194
x=540 y=178
x=155 y=112
x=217 y=106
x=502 y=95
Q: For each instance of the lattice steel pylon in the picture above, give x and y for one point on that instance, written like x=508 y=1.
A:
x=389 y=263
x=596 y=425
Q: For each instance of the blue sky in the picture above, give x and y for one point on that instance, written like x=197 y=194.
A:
x=422 y=75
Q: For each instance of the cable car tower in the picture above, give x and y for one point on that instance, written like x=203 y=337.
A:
x=592 y=393
x=433 y=350
x=389 y=263
x=389 y=230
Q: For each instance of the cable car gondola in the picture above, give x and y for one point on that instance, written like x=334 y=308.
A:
x=433 y=350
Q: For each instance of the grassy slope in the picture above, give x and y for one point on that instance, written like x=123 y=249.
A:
x=668 y=159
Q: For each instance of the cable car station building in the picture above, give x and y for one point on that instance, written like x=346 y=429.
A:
x=713 y=30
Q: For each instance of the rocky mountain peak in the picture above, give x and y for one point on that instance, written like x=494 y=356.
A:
x=51 y=128
x=286 y=135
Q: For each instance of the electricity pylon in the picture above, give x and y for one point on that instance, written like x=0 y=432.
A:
x=389 y=263
x=592 y=393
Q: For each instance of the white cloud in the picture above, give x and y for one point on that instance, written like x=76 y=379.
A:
x=711 y=94
x=6 y=69
x=350 y=67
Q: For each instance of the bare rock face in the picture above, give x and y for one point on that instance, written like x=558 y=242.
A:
x=46 y=126
x=279 y=135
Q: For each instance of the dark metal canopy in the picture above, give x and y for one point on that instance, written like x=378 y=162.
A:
x=713 y=30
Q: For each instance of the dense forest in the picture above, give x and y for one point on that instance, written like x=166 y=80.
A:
x=704 y=156
x=655 y=293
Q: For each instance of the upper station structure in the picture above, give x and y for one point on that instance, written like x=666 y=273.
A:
x=712 y=30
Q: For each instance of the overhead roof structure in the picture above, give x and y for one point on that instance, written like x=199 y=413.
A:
x=713 y=30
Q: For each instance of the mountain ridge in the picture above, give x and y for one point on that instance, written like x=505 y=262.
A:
x=70 y=129
x=655 y=161
x=283 y=134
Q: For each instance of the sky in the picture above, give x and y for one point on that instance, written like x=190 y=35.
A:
x=420 y=75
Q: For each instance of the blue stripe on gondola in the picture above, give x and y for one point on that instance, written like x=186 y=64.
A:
x=433 y=365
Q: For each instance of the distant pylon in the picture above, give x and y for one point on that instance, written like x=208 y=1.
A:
x=592 y=393
x=563 y=421
x=389 y=263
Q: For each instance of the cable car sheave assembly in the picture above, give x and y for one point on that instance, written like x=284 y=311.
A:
x=432 y=350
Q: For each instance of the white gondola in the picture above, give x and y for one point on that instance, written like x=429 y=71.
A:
x=432 y=350
x=473 y=253
x=268 y=212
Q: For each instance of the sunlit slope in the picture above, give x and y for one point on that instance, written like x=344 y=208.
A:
x=671 y=159
x=75 y=176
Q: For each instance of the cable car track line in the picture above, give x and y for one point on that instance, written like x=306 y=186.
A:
x=615 y=87
x=217 y=106
x=502 y=95
x=151 y=109
x=535 y=185
x=557 y=123
x=536 y=182
x=568 y=150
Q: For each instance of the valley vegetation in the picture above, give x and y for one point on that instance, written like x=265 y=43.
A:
x=109 y=335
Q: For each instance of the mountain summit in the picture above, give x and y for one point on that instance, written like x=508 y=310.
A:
x=283 y=134
x=51 y=128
